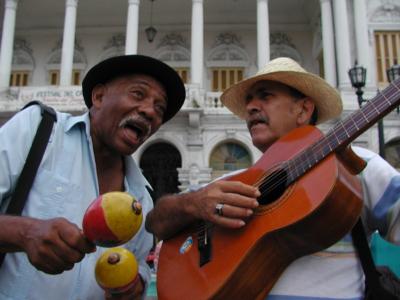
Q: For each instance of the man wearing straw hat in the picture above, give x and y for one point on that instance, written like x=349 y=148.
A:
x=279 y=98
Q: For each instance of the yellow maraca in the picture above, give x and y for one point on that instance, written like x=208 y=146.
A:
x=116 y=270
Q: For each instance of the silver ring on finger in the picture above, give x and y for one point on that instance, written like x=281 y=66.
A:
x=218 y=209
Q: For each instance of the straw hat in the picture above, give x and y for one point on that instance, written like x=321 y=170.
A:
x=287 y=71
x=117 y=66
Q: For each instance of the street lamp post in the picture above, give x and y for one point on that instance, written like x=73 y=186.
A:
x=392 y=74
x=358 y=75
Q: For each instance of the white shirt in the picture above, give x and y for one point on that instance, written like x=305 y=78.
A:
x=65 y=185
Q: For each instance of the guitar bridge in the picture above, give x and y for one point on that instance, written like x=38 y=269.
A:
x=204 y=243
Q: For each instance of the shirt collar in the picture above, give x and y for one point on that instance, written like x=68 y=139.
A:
x=83 y=119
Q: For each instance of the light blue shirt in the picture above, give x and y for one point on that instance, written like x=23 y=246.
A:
x=65 y=185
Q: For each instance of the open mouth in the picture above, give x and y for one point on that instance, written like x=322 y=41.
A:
x=135 y=129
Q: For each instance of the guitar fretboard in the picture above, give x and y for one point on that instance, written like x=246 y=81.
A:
x=344 y=132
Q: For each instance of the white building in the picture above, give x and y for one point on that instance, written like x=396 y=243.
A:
x=47 y=46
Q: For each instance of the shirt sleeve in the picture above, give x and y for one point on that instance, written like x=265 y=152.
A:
x=381 y=189
x=16 y=138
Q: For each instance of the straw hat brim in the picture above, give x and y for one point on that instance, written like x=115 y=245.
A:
x=325 y=97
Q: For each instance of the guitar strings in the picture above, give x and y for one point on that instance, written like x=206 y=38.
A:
x=272 y=180
x=269 y=183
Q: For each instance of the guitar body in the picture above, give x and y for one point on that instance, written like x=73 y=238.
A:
x=310 y=215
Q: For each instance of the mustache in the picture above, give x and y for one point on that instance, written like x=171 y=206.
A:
x=256 y=118
x=137 y=122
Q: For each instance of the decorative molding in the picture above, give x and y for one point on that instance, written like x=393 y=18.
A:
x=386 y=13
x=20 y=44
x=117 y=41
x=172 y=40
x=55 y=55
x=282 y=45
x=22 y=54
x=77 y=45
x=228 y=51
x=227 y=38
x=280 y=38
x=174 y=50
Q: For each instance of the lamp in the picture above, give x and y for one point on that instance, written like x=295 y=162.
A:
x=358 y=75
x=151 y=31
x=393 y=72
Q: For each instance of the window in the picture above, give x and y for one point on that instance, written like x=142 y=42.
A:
x=54 y=76
x=183 y=73
x=387 y=45
x=19 y=78
x=229 y=157
x=223 y=78
x=76 y=76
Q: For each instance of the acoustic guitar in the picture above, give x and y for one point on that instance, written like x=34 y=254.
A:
x=310 y=198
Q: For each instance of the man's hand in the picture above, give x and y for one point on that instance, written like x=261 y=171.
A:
x=172 y=213
x=54 y=245
x=238 y=202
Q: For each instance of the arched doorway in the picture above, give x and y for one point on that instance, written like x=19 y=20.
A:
x=159 y=163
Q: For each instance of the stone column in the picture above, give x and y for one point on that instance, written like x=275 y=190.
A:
x=68 y=44
x=263 y=52
x=197 y=59
x=328 y=43
x=342 y=39
x=7 y=43
x=361 y=30
x=132 y=27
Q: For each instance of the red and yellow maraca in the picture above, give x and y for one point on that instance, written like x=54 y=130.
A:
x=112 y=219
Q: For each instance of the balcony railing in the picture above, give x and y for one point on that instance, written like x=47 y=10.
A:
x=69 y=98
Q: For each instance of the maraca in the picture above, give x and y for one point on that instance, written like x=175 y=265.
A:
x=116 y=270
x=112 y=219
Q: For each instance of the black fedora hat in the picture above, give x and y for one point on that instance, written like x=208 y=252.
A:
x=117 y=66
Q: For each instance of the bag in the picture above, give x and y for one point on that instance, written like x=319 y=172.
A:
x=32 y=162
x=380 y=282
x=388 y=288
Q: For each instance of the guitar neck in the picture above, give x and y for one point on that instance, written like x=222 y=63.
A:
x=344 y=132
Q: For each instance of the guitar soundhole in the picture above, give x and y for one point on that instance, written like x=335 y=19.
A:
x=272 y=187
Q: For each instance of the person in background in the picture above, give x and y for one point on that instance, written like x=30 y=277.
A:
x=128 y=98
x=278 y=99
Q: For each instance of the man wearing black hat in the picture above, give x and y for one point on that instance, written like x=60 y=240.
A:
x=129 y=98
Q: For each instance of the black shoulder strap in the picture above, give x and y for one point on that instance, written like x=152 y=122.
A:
x=361 y=244
x=32 y=162
x=33 y=159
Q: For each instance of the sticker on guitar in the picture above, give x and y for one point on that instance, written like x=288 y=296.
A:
x=186 y=245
